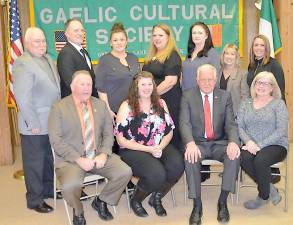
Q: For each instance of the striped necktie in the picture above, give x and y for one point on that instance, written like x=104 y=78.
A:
x=88 y=133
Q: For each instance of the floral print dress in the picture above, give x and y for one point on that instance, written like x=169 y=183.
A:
x=146 y=128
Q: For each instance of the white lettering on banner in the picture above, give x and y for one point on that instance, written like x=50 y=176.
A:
x=61 y=16
x=75 y=12
x=86 y=17
x=215 y=12
x=161 y=16
x=136 y=16
x=173 y=11
x=224 y=16
x=108 y=17
x=184 y=12
x=200 y=11
x=139 y=34
x=177 y=32
x=101 y=36
x=137 y=13
x=46 y=16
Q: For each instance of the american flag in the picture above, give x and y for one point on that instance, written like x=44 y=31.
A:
x=15 y=48
x=60 y=40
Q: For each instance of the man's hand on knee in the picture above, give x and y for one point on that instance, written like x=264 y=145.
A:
x=192 y=152
x=233 y=151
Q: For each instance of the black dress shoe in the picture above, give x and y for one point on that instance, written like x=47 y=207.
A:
x=223 y=212
x=78 y=220
x=196 y=214
x=102 y=209
x=43 y=208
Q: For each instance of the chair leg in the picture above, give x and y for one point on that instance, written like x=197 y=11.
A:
x=286 y=185
x=127 y=199
x=238 y=185
x=173 y=197
x=185 y=188
x=67 y=211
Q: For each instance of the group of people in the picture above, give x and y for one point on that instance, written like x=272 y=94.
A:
x=152 y=123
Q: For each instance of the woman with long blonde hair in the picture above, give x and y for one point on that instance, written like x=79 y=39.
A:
x=164 y=62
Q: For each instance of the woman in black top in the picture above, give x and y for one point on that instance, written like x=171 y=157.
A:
x=260 y=61
x=164 y=62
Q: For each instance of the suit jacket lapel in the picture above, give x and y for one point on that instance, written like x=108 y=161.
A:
x=78 y=54
x=55 y=73
x=216 y=110
x=75 y=116
x=199 y=105
x=231 y=80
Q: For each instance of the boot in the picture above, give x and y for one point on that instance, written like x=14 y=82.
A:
x=135 y=202
x=155 y=200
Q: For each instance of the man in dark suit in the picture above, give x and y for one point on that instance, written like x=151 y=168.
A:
x=209 y=131
x=81 y=133
x=74 y=57
x=36 y=88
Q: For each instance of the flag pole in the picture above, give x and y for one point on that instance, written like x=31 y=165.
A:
x=19 y=174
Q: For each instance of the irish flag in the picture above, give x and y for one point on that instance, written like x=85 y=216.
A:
x=268 y=26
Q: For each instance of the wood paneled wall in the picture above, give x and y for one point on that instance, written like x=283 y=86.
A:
x=6 y=152
x=284 y=11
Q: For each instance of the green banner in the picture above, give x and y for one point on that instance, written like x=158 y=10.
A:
x=138 y=17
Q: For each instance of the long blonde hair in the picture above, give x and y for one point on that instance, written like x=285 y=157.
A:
x=170 y=47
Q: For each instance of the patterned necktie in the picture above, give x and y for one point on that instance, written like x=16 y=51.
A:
x=83 y=52
x=208 y=119
x=88 y=133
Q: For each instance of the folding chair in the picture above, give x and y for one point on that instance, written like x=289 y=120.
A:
x=89 y=179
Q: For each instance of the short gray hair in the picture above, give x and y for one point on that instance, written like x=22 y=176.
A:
x=206 y=66
x=80 y=72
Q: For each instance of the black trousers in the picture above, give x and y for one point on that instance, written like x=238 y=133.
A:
x=258 y=166
x=38 y=168
x=154 y=173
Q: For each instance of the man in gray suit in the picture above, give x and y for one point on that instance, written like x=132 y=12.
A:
x=81 y=133
x=209 y=131
x=36 y=88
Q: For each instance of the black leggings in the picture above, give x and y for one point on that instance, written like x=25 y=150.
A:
x=153 y=172
x=258 y=166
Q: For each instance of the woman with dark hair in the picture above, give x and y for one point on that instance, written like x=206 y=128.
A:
x=260 y=60
x=200 y=50
x=164 y=62
x=116 y=70
x=144 y=130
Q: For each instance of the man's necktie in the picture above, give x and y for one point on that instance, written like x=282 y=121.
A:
x=86 y=57
x=88 y=133
x=83 y=52
x=208 y=118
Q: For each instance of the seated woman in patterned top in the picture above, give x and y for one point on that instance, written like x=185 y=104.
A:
x=144 y=129
x=263 y=128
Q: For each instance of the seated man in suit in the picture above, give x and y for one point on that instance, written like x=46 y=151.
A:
x=209 y=131
x=81 y=133
x=74 y=57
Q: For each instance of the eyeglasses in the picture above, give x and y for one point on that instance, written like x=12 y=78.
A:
x=262 y=83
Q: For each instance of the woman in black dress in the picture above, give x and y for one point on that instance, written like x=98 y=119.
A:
x=164 y=62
